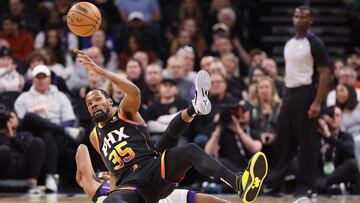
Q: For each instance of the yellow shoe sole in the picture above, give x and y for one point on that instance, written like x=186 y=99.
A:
x=253 y=177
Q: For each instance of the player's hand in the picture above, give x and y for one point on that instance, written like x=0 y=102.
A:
x=84 y=59
x=314 y=110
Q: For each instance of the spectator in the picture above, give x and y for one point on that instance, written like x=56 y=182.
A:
x=347 y=76
x=183 y=39
x=188 y=57
x=346 y=100
x=232 y=140
x=175 y=70
x=270 y=67
x=10 y=79
x=191 y=9
x=79 y=79
x=153 y=78
x=135 y=73
x=227 y=16
x=110 y=57
x=236 y=83
x=198 y=40
x=53 y=42
x=205 y=63
x=21 y=42
x=148 y=8
x=306 y=80
x=19 y=159
x=337 y=152
x=45 y=100
x=28 y=21
x=143 y=57
x=38 y=57
x=264 y=114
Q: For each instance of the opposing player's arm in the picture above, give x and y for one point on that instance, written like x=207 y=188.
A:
x=132 y=98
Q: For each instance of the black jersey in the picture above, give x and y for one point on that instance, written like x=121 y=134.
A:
x=124 y=145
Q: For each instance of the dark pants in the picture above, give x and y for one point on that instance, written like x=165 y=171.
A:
x=345 y=172
x=296 y=135
x=50 y=133
x=29 y=165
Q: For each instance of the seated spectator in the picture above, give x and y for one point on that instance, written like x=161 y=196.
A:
x=53 y=42
x=188 y=57
x=134 y=43
x=110 y=57
x=46 y=101
x=135 y=73
x=337 y=152
x=79 y=79
x=346 y=100
x=236 y=82
x=205 y=63
x=264 y=114
x=21 y=42
x=153 y=78
x=191 y=9
x=28 y=21
x=10 y=79
x=197 y=39
x=38 y=57
x=19 y=159
x=204 y=125
x=270 y=68
x=143 y=57
x=232 y=140
x=167 y=104
x=175 y=70
x=346 y=75
x=114 y=92
x=182 y=39
x=150 y=9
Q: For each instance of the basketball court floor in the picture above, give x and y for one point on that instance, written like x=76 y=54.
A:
x=81 y=198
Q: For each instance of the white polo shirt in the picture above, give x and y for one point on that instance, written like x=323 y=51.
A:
x=302 y=56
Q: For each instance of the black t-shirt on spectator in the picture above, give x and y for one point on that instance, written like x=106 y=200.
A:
x=159 y=109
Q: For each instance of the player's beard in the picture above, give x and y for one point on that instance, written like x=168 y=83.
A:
x=100 y=117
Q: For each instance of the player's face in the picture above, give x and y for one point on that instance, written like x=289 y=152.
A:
x=98 y=105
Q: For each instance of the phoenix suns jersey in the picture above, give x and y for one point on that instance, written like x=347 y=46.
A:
x=124 y=145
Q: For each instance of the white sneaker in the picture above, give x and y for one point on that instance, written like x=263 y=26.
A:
x=51 y=182
x=76 y=134
x=201 y=101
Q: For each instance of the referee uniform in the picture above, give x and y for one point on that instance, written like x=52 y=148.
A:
x=297 y=133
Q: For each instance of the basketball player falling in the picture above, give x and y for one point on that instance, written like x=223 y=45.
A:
x=142 y=172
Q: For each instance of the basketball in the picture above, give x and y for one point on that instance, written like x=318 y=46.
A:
x=83 y=19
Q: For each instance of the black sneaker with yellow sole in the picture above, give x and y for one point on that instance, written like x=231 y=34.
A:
x=248 y=184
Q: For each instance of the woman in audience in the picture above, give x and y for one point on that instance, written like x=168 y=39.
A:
x=135 y=73
x=198 y=39
x=264 y=113
x=346 y=99
x=110 y=56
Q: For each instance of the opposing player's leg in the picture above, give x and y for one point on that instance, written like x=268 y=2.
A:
x=85 y=175
x=186 y=196
x=179 y=124
x=177 y=161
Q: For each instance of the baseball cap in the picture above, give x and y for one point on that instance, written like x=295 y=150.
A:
x=135 y=15
x=220 y=27
x=169 y=80
x=41 y=69
x=4 y=51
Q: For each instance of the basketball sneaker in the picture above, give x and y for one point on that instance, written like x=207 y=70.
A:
x=248 y=184
x=201 y=101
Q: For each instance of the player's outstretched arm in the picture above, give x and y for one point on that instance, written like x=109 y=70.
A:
x=131 y=102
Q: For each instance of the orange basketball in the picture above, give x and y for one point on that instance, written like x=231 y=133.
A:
x=83 y=19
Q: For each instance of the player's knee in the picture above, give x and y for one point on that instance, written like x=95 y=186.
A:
x=114 y=198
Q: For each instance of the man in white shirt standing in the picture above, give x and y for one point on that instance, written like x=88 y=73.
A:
x=306 y=80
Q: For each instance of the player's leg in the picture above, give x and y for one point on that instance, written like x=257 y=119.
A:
x=85 y=175
x=179 y=124
x=122 y=196
x=186 y=196
x=247 y=184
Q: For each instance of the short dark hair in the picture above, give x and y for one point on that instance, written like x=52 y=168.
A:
x=15 y=20
x=4 y=116
x=305 y=8
x=103 y=92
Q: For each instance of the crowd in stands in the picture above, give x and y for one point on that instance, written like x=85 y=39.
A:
x=159 y=45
